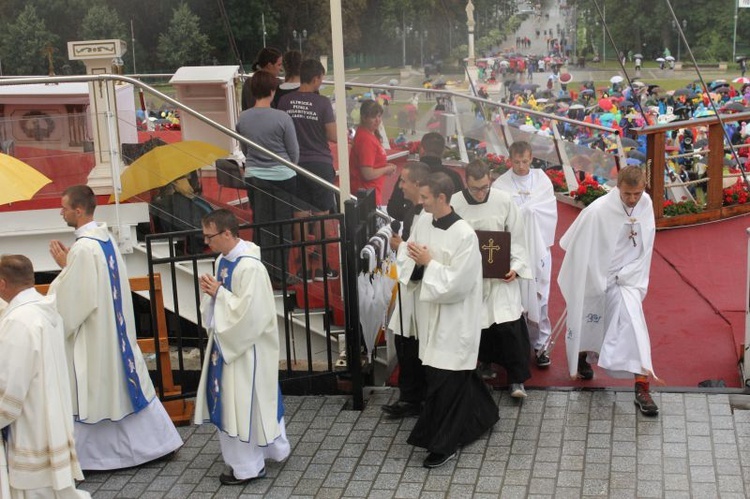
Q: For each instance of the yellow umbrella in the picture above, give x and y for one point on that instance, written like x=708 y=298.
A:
x=18 y=181
x=166 y=163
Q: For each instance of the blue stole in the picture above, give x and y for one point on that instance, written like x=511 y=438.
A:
x=126 y=352
x=216 y=360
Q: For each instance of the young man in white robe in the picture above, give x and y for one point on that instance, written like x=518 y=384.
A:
x=505 y=338
x=534 y=195
x=604 y=278
x=120 y=422
x=36 y=416
x=239 y=386
x=443 y=252
x=411 y=382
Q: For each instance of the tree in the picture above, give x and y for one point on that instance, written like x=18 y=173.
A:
x=183 y=43
x=101 y=23
x=26 y=43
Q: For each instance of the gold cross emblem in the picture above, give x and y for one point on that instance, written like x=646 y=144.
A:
x=491 y=247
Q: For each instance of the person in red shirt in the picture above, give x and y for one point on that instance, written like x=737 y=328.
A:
x=368 y=164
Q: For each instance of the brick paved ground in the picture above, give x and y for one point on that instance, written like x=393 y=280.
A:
x=556 y=444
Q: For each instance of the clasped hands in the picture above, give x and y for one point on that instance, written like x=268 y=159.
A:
x=419 y=253
x=209 y=285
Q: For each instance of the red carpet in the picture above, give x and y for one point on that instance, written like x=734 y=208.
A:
x=694 y=307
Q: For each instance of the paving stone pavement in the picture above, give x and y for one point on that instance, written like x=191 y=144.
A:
x=555 y=444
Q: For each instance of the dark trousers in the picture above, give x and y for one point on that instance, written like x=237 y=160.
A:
x=411 y=382
x=508 y=345
x=272 y=201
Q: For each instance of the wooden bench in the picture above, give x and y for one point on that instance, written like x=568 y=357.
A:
x=180 y=411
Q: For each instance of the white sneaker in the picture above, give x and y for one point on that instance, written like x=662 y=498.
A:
x=517 y=391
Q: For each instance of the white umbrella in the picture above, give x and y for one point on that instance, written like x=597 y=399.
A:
x=660 y=59
x=616 y=79
x=669 y=58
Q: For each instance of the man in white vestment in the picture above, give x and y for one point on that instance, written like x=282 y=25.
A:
x=505 y=339
x=604 y=279
x=443 y=253
x=119 y=420
x=534 y=195
x=36 y=416
x=239 y=386
x=411 y=383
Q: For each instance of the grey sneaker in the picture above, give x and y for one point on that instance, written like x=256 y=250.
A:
x=517 y=391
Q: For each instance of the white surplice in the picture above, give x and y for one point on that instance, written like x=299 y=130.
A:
x=109 y=434
x=501 y=300
x=449 y=297
x=604 y=278
x=35 y=402
x=535 y=197
x=406 y=303
x=243 y=322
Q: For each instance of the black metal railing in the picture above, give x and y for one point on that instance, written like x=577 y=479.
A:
x=332 y=300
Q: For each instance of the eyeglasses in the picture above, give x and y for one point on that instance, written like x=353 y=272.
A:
x=479 y=190
x=207 y=238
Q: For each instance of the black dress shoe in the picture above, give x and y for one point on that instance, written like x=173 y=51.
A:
x=402 y=409
x=434 y=459
x=230 y=479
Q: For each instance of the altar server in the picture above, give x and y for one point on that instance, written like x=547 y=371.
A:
x=604 y=279
x=443 y=253
x=505 y=339
x=239 y=388
x=36 y=416
x=534 y=195
x=119 y=420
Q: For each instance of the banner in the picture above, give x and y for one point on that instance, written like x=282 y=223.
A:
x=743 y=4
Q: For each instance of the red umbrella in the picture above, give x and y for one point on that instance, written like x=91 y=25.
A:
x=605 y=104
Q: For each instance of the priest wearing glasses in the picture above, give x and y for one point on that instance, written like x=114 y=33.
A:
x=239 y=386
x=604 y=279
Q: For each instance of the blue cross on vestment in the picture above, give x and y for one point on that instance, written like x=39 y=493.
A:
x=137 y=398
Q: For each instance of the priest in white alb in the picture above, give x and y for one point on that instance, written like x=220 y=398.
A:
x=120 y=422
x=534 y=195
x=36 y=416
x=604 y=278
x=239 y=388
x=443 y=253
x=505 y=338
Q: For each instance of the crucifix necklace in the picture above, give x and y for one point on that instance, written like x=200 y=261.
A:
x=523 y=192
x=631 y=221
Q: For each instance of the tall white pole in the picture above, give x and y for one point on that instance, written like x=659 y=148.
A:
x=734 y=38
x=132 y=44
x=263 y=25
x=339 y=90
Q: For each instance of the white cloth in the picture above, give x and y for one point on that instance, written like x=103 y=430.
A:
x=406 y=302
x=449 y=298
x=84 y=299
x=501 y=300
x=247 y=459
x=535 y=196
x=604 y=279
x=135 y=439
x=35 y=402
x=243 y=322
